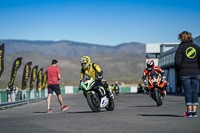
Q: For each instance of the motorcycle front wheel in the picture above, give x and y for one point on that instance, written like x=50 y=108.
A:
x=157 y=97
x=93 y=101
x=111 y=105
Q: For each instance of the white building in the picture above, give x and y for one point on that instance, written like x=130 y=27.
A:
x=155 y=50
x=163 y=55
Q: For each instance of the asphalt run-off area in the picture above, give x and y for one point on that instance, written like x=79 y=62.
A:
x=133 y=113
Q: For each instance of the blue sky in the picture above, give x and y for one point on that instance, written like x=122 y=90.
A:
x=106 y=22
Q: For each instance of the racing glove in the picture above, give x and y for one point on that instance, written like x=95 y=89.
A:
x=80 y=88
x=100 y=76
x=145 y=82
x=163 y=78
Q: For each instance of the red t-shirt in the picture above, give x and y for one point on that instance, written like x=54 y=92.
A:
x=52 y=75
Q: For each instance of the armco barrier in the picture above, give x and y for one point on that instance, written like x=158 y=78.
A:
x=18 y=103
x=26 y=96
x=74 y=89
x=22 y=95
x=43 y=93
x=125 y=89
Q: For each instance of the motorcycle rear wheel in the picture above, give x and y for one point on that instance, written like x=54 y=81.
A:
x=117 y=92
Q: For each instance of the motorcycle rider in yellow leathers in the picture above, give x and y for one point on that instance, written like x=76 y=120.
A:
x=93 y=70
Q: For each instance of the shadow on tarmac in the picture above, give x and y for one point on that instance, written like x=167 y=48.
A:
x=179 y=94
x=160 y=115
x=143 y=106
x=85 y=112
x=78 y=112
x=81 y=112
x=40 y=112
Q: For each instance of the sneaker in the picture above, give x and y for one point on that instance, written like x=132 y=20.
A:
x=49 y=111
x=64 y=108
x=194 y=114
x=186 y=114
x=190 y=114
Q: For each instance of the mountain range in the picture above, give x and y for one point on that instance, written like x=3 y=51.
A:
x=70 y=48
x=123 y=63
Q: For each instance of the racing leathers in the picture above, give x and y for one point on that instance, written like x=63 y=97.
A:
x=94 y=71
x=157 y=70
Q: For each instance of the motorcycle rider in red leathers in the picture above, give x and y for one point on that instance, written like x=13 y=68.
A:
x=147 y=71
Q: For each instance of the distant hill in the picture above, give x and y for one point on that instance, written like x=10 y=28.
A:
x=124 y=62
x=70 y=48
x=126 y=68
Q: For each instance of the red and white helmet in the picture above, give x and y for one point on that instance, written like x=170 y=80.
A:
x=150 y=64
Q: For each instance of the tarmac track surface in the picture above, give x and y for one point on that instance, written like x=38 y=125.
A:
x=133 y=113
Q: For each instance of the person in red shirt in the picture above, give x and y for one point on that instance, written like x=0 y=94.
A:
x=53 y=75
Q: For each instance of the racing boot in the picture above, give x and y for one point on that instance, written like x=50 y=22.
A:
x=147 y=90
x=109 y=94
x=163 y=93
x=163 y=90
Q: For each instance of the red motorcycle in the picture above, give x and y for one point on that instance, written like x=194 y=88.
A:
x=155 y=85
